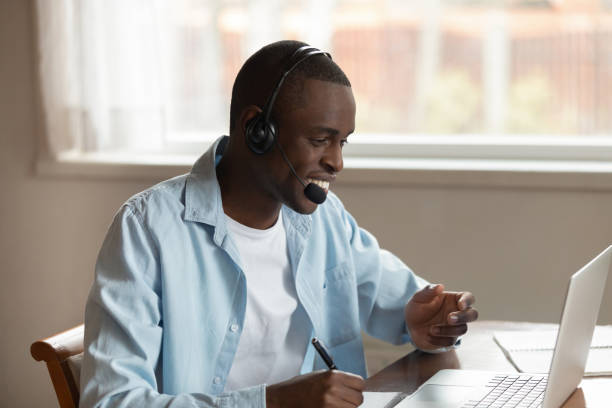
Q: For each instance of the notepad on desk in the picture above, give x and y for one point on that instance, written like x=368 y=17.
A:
x=531 y=351
x=381 y=399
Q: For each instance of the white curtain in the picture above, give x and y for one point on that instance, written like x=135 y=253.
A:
x=122 y=75
x=137 y=75
x=101 y=68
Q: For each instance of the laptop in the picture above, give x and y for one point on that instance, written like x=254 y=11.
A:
x=468 y=388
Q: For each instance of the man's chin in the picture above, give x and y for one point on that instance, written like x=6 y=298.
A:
x=303 y=206
x=299 y=203
x=306 y=209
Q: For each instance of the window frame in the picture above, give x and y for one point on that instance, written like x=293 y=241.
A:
x=557 y=163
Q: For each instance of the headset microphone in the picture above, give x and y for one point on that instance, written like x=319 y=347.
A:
x=261 y=131
x=313 y=192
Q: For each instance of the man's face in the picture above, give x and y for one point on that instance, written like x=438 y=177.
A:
x=312 y=136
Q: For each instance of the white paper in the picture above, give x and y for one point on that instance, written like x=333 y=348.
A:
x=531 y=351
x=545 y=340
x=377 y=399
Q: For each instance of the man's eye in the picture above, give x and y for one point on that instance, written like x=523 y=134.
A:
x=343 y=142
x=319 y=141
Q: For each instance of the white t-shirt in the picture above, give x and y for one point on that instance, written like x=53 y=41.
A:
x=276 y=329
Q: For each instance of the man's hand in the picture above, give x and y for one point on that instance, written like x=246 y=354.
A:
x=436 y=318
x=331 y=388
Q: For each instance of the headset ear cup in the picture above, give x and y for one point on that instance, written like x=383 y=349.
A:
x=260 y=134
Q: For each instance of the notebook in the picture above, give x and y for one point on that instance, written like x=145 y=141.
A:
x=466 y=388
x=531 y=351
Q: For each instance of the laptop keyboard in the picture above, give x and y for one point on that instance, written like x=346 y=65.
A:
x=516 y=391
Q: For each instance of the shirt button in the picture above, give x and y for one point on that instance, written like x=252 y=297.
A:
x=234 y=328
x=217 y=380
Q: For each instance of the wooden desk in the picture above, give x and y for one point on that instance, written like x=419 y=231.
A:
x=478 y=351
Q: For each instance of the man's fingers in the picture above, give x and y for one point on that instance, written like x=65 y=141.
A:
x=448 y=331
x=436 y=318
x=429 y=292
x=437 y=341
x=347 y=389
x=465 y=300
x=336 y=401
x=353 y=397
x=351 y=380
x=464 y=316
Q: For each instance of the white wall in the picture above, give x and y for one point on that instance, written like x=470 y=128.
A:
x=514 y=248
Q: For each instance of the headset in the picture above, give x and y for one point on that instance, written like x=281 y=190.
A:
x=261 y=133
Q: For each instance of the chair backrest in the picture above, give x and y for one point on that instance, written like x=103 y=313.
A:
x=62 y=352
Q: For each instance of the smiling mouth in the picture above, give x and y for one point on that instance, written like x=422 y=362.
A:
x=321 y=183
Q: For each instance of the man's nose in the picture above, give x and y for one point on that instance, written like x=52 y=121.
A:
x=332 y=159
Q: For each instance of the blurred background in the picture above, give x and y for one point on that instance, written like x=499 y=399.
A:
x=482 y=154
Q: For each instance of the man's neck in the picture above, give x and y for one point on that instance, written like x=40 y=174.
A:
x=243 y=200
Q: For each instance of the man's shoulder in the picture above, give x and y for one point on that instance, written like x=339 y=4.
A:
x=163 y=196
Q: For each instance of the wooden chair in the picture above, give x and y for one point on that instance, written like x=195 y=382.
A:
x=62 y=353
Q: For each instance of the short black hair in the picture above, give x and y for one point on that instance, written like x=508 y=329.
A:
x=260 y=73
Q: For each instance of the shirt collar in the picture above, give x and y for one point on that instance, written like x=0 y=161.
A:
x=202 y=192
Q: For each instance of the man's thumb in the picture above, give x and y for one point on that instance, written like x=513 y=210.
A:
x=428 y=293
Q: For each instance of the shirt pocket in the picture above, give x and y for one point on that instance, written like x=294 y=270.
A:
x=340 y=305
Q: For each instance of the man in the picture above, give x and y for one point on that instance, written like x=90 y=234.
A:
x=210 y=286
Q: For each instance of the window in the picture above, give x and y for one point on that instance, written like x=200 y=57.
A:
x=468 y=79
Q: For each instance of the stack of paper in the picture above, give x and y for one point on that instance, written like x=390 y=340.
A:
x=532 y=351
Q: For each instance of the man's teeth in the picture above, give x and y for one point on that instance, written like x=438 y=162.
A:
x=323 y=184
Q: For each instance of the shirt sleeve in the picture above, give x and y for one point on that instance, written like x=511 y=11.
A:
x=384 y=284
x=124 y=329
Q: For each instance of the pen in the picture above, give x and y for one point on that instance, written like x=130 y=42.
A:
x=323 y=353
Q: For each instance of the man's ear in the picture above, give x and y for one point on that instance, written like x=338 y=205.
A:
x=248 y=113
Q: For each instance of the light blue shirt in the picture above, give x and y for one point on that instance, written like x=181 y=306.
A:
x=165 y=311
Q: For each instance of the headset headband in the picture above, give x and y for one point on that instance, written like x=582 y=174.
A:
x=299 y=56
